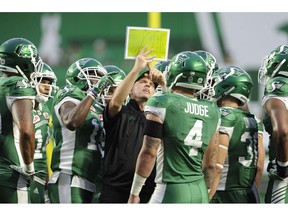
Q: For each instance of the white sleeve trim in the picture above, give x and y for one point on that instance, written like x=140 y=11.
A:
x=10 y=100
x=159 y=112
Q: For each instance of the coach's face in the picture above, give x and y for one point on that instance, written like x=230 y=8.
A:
x=142 y=89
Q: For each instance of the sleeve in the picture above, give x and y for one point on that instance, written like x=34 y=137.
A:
x=156 y=105
x=227 y=122
x=19 y=89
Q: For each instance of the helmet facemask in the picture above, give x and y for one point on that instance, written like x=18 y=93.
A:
x=262 y=73
x=35 y=64
x=44 y=72
x=110 y=90
x=87 y=77
x=208 y=91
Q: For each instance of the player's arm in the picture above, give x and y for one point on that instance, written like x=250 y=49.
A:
x=260 y=162
x=147 y=156
x=279 y=119
x=210 y=159
x=123 y=90
x=221 y=156
x=73 y=115
x=22 y=116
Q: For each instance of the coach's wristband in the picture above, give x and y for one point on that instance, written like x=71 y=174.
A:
x=137 y=185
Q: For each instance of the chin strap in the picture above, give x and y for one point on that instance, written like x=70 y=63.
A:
x=41 y=98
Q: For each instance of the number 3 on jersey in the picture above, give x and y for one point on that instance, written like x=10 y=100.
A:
x=194 y=138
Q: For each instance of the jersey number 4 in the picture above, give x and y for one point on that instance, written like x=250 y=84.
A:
x=194 y=138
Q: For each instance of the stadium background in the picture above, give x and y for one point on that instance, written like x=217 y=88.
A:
x=239 y=39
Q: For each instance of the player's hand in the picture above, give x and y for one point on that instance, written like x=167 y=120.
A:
x=134 y=199
x=104 y=82
x=28 y=177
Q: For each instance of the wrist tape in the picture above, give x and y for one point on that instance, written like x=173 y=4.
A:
x=29 y=168
x=137 y=185
x=92 y=95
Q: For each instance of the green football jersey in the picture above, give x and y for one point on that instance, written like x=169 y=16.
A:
x=276 y=87
x=188 y=126
x=76 y=152
x=42 y=136
x=240 y=166
x=11 y=89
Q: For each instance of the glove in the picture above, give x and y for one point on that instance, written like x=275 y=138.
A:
x=103 y=83
x=28 y=177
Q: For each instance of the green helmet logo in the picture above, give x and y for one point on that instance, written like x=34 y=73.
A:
x=26 y=51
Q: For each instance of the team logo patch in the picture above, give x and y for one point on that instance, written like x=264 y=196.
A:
x=36 y=119
x=22 y=84
x=66 y=90
x=92 y=109
x=224 y=112
x=46 y=115
x=274 y=85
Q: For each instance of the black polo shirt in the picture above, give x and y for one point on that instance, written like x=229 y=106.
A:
x=124 y=137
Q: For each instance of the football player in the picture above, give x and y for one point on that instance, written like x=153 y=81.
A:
x=179 y=129
x=44 y=81
x=240 y=138
x=78 y=133
x=273 y=73
x=18 y=59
